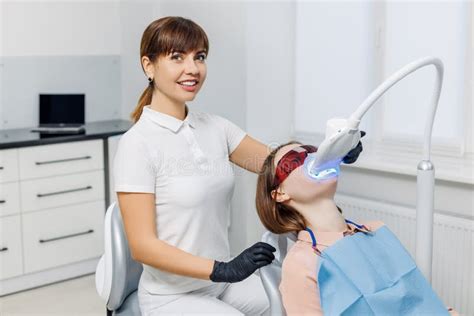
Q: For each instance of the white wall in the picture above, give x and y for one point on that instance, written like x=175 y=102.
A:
x=134 y=18
x=59 y=47
x=38 y=28
x=270 y=62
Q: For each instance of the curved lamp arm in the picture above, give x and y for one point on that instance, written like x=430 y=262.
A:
x=426 y=172
x=396 y=77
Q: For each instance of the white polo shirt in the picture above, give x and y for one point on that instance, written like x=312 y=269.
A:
x=186 y=164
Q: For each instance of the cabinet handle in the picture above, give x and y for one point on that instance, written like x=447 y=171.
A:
x=1 y=168
x=90 y=231
x=38 y=163
x=4 y=249
x=2 y=201
x=65 y=191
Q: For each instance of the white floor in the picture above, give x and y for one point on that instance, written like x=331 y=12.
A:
x=72 y=297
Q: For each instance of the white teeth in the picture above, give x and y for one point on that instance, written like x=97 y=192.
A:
x=188 y=83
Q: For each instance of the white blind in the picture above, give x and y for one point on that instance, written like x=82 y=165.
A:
x=417 y=29
x=334 y=61
x=338 y=64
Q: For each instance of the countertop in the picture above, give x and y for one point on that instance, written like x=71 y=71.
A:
x=22 y=137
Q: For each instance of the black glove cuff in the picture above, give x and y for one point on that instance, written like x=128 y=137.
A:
x=217 y=273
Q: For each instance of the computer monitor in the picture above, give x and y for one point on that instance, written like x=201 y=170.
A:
x=62 y=109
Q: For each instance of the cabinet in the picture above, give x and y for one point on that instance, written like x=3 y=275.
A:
x=52 y=204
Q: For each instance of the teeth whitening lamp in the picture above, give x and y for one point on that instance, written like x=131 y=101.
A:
x=342 y=135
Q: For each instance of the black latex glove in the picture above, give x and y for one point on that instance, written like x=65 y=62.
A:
x=352 y=156
x=242 y=266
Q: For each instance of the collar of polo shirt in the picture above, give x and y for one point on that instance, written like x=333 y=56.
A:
x=168 y=121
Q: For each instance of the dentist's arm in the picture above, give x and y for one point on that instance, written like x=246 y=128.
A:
x=250 y=154
x=138 y=214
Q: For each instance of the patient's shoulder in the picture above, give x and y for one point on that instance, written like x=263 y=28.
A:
x=300 y=256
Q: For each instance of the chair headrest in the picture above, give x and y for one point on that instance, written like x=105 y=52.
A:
x=281 y=242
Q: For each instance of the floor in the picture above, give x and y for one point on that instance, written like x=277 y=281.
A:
x=73 y=297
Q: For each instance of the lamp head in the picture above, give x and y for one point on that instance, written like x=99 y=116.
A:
x=342 y=135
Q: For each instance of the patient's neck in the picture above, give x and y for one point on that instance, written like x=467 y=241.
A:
x=323 y=215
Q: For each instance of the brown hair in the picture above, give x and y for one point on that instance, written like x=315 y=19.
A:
x=276 y=217
x=163 y=37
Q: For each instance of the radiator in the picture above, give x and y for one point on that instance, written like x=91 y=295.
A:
x=453 y=258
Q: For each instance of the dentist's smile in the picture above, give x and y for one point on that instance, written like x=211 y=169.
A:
x=188 y=85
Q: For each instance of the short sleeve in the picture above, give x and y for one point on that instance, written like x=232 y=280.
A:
x=234 y=134
x=133 y=166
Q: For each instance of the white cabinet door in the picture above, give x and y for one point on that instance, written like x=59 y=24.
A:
x=8 y=165
x=51 y=192
x=63 y=235
x=9 y=198
x=61 y=159
x=11 y=261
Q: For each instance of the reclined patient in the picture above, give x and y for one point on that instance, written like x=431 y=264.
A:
x=336 y=266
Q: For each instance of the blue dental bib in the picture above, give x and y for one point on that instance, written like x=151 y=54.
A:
x=372 y=274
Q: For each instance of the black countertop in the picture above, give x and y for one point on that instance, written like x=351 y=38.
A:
x=22 y=137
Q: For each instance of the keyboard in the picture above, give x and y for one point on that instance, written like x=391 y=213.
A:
x=58 y=130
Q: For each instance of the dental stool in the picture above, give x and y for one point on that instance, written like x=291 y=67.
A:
x=271 y=274
x=117 y=274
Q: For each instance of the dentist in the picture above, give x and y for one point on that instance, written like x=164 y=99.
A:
x=174 y=181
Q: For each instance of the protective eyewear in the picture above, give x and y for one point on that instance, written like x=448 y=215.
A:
x=290 y=161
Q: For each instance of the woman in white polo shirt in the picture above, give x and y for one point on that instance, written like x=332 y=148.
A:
x=174 y=182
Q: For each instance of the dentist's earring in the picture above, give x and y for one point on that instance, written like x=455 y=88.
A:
x=150 y=80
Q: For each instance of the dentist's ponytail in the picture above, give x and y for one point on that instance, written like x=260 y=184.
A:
x=145 y=99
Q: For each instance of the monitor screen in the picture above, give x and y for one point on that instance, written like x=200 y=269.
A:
x=62 y=109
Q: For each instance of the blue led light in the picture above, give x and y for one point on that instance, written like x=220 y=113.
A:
x=324 y=172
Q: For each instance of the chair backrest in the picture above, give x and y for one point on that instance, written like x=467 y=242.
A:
x=117 y=272
x=271 y=274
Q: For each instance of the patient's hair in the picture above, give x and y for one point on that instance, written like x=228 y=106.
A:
x=276 y=217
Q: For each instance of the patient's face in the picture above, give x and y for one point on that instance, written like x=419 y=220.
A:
x=300 y=187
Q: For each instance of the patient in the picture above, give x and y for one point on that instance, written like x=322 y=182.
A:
x=288 y=201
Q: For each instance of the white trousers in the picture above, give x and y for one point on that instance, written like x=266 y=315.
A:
x=242 y=298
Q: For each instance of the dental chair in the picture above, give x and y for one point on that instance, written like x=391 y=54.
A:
x=271 y=274
x=117 y=274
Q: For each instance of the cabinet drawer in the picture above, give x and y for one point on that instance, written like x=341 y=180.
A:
x=63 y=235
x=11 y=261
x=9 y=198
x=59 y=159
x=50 y=192
x=8 y=165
